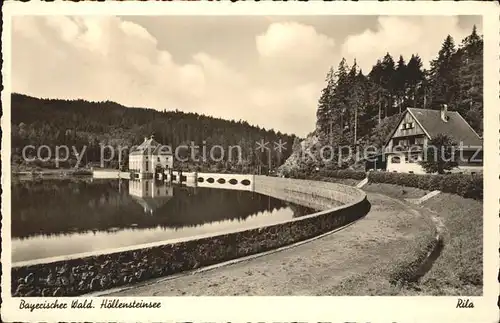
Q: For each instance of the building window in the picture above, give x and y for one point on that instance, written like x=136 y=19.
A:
x=396 y=160
x=158 y=159
x=147 y=166
x=407 y=125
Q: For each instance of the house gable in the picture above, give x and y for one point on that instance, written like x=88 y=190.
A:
x=408 y=125
x=151 y=147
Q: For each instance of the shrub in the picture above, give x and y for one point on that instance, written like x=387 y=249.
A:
x=297 y=174
x=465 y=185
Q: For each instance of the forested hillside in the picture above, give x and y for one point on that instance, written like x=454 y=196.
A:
x=81 y=123
x=358 y=109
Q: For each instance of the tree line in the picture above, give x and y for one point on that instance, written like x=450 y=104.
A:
x=360 y=109
x=79 y=123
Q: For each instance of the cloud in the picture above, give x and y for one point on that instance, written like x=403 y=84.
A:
x=402 y=36
x=98 y=59
x=299 y=43
x=295 y=51
x=108 y=58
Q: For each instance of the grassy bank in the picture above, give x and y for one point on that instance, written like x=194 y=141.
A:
x=458 y=269
x=396 y=191
x=345 y=181
x=394 y=275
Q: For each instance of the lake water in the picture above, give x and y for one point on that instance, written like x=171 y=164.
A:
x=68 y=216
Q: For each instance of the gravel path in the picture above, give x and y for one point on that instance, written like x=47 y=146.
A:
x=313 y=268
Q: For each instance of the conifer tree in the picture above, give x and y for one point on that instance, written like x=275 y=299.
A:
x=400 y=83
x=443 y=80
x=325 y=112
x=414 y=78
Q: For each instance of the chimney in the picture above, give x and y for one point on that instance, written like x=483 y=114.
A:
x=444 y=112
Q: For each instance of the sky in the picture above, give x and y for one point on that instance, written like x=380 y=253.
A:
x=268 y=71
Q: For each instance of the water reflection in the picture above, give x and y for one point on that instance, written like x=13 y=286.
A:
x=150 y=194
x=66 y=216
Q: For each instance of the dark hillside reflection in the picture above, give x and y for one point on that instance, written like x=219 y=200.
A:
x=70 y=216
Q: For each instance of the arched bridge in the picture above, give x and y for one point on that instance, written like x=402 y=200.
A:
x=215 y=180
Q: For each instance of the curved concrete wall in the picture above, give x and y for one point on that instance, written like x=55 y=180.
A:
x=314 y=194
x=80 y=274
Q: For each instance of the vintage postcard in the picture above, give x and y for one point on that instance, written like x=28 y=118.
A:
x=250 y=162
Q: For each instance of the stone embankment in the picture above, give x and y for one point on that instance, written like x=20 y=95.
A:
x=80 y=274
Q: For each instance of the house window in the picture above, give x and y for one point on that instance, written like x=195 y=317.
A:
x=403 y=143
x=147 y=166
x=396 y=160
x=407 y=125
x=158 y=159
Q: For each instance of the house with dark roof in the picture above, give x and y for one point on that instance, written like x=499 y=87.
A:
x=407 y=143
x=149 y=158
